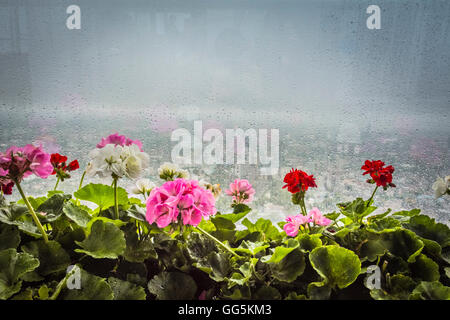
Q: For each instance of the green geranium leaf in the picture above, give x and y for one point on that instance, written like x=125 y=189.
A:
x=309 y=242
x=117 y=223
x=290 y=267
x=12 y=266
x=379 y=225
x=425 y=269
x=430 y=291
x=199 y=246
x=265 y=227
x=319 y=291
x=77 y=214
x=91 y=288
x=124 y=290
x=35 y=202
x=217 y=265
x=222 y=223
x=137 y=250
x=239 y=212
x=281 y=252
x=105 y=241
x=267 y=293
x=406 y=213
x=53 y=207
x=402 y=243
x=338 y=266
x=173 y=286
x=102 y=195
x=427 y=228
x=294 y=296
x=11 y=213
x=53 y=258
x=24 y=295
x=9 y=237
x=251 y=248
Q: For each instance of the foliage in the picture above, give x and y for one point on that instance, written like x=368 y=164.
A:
x=128 y=258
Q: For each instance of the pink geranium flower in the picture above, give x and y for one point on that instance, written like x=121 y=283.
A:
x=184 y=198
x=116 y=139
x=295 y=222
x=18 y=163
x=241 y=191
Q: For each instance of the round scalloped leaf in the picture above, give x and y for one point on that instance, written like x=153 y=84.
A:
x=319 y=291
x=425 y=269
x=281 y=252
x=290 y=267
x=12 y=266
x=105 y=241
x=251 y=248
x=137 y=250
x=124 y=290
x=402 y=243
x=308 y=242
x=91 y=288
x=53 y=206
x=430 y=291
x=53 y=258
x=427 y=228
x=173 y=286
x=78 y=215
x=338 y=266
x=102 y=195
x=267 y=293
x=9 y=237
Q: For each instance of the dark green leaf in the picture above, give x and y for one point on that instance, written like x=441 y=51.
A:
x=173 y=286
x=105 y=241
x=124 y=290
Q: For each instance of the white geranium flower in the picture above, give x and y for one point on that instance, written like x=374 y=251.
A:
x=440 y=187
x=121 y=161
x=143 y=186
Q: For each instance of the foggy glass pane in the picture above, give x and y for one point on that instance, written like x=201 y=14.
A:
x=338 y=92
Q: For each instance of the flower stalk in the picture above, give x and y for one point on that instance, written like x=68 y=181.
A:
x=116 y=200
x=32 y=212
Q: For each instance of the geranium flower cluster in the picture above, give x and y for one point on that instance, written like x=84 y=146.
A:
x=169 y=171
x=379 y=174
x=241 y=191
x=119 y=140
x=118 y=156
x=18 y=163
x=60 y=168
x=294 y=223
x=441 y=187
x=179 y=200
x=298 y=180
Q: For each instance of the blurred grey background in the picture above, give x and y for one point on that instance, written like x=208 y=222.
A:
x=338 y=92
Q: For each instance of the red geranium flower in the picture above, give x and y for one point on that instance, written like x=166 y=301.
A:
x=6 y=187
x=380 y=175
x=297 y=180
x=73 y=165
x=59 y=166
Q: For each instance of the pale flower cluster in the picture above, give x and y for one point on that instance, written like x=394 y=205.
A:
x=170 y=171
x=119 y=161
x=441 y=186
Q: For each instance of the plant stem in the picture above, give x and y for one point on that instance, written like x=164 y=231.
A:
x=61 y=284
x=81 y=181
x=373 y=193
x=116 y=200
x=303 y=206
x=220 y=243
x=56 y=185
x=31 y=210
